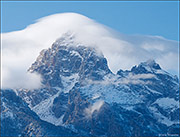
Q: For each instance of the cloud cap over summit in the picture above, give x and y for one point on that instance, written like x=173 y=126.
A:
x=20 y=48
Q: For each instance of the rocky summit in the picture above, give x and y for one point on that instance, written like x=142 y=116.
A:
x=80 y=96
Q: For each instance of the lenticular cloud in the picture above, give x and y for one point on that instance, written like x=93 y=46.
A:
x=20 y=48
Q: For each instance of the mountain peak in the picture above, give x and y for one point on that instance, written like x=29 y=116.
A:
x=67 y=58
x=67 y=37
x=150 y=66
x=151 y=63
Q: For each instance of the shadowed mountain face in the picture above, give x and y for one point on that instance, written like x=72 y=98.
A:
x=81 y=96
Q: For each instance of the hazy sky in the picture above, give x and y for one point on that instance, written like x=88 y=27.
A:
x=149 y=18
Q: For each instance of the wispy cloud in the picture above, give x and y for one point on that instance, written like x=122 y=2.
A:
x=129 y=79
x=20 y=48
x=136 y=79
x=140 y=76
x=15 y=79
x=94 y=107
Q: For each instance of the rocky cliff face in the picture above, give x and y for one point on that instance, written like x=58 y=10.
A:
x=81 y=94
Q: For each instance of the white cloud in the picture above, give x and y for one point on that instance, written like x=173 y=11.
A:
x=136 y=79
x=129 y=79
x=140 y=76
x=20 y=48
x=95 y=107
x=23 y=80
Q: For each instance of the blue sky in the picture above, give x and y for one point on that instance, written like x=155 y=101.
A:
x=149 y=18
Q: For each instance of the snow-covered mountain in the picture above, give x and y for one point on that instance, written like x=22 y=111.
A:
x=81 y=96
